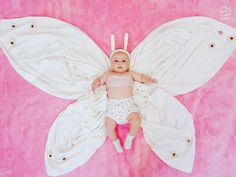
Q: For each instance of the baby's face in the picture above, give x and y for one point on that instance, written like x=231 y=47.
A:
x=120 y=62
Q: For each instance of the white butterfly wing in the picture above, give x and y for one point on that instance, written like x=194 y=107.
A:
x=182 y=55
x=62 y=61
x=76 y=134
x=53 y=55
x=185 y=53
x=169 y=130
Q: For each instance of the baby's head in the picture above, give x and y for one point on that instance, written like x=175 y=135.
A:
x=120 y=61
x=120 y=58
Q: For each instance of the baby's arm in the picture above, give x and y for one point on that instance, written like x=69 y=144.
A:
x=99 y=81
x=142 y=78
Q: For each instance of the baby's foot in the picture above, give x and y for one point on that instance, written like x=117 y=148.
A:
x=118 y=146
x=128 y=141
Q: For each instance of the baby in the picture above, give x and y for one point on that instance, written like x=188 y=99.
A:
x=121 y=107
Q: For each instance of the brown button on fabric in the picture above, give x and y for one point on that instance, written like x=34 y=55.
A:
x=173 y=155
x=231 y=38
x=220 y=32
x=12 y=43
x=64 y=158
x=13 y=26
x=212 y=45
x=50 y=155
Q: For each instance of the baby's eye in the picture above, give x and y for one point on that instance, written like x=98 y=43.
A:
x=123 y=61
x=116 y=61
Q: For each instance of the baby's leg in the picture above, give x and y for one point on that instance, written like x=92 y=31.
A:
x=135 y=122
x=110 y=125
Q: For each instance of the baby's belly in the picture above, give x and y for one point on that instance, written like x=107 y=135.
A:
x=120 y=92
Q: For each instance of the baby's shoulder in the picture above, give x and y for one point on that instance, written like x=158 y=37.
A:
x=106 y=74
x=110 y=73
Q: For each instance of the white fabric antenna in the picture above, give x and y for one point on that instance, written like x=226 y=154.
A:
x=113 y=47
x=126 y=38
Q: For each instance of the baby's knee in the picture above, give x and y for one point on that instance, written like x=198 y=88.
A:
x=137 y=122
x=135 y=119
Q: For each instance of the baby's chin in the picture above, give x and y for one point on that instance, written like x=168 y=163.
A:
x=120 y=71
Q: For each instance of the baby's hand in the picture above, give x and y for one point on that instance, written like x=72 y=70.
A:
x=154 y=81
x=151 y=81
x=96 y=83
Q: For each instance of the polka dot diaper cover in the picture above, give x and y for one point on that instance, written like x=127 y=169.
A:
x=119 y=109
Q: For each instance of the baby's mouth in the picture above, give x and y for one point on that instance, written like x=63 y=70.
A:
x=120 y=67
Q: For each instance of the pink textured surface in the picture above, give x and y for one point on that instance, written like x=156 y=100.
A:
x=26 y=113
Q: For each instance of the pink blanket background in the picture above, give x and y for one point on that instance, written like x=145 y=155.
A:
x=27 y=113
